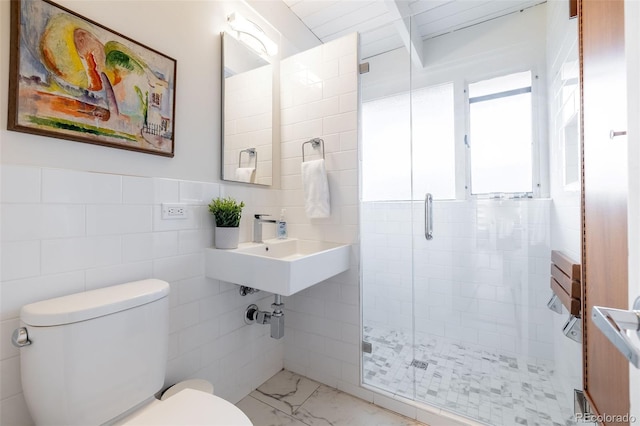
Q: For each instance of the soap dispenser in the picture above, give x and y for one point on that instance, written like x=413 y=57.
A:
x=282 y=226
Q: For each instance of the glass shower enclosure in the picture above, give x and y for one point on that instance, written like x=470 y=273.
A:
x=458 y=321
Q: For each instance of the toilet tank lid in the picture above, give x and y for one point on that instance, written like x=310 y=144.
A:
x=93 y=304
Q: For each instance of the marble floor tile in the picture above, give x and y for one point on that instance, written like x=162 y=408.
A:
x=330 y=407
x=489 y=386
x=262 y=414
x=285 y=391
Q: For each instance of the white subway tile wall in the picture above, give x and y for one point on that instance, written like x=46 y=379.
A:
x=319 y=93
x=483 y=279
x=66 y=231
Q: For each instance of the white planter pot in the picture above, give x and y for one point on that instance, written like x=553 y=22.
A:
x=227 y=238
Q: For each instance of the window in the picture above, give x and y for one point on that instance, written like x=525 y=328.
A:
x=501 y=135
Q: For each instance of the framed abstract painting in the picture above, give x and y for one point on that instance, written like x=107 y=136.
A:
x=72 y=78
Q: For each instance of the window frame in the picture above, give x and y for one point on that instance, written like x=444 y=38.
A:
x=536 y=191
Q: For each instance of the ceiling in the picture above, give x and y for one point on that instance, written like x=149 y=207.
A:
x=380 y=23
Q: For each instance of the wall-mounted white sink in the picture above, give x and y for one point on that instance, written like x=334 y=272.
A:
x=278 y=266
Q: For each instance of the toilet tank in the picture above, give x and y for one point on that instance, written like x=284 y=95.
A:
x=95 y=355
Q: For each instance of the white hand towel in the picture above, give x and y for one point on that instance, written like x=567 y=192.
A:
x=316 y=189
x=245 y=174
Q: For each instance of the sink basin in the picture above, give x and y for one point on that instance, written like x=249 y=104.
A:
x=281 y=267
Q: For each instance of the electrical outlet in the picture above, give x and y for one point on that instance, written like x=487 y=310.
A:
x=174 y=211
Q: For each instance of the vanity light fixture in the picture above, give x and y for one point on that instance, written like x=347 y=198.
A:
x=252 y=35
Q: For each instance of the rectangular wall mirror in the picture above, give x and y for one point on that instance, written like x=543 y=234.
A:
x=247 y=116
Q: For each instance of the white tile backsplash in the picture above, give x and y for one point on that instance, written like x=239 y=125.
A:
x=166 y=190
x=61 y=221
x=21 y=221
x=20 y=184
x=342 y=84
x=118 y=219
x=137 y=190
x=67 y=231
x=179 y=267
x=137 y=247
x=120 y=273
x=322 y=335
x=10 y=384
x=6 y=332
x=72 y=254
x=20 y=259
x=193 y=241
x=71 y=186
x=17 y=293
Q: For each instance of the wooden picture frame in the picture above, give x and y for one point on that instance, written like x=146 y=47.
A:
x=72 y=78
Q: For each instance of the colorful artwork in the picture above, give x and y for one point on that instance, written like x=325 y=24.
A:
x=73 y=78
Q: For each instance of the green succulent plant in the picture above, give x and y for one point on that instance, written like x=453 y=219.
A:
x=226 y=211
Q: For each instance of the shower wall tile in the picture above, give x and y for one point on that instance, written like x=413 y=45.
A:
x=93 y=230
x=483 y=276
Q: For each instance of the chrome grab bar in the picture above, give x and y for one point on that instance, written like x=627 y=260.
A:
x=428 y=216
x=614 y=323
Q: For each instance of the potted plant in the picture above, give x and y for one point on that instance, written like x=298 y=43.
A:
x=227 y=213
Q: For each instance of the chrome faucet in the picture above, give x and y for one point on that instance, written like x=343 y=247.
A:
x=257 y=226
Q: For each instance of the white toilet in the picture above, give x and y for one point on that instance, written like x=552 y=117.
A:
x=99 y=357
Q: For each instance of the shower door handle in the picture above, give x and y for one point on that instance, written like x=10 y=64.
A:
x=428 y=216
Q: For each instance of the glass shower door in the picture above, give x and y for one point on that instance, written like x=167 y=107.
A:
x=386 y=223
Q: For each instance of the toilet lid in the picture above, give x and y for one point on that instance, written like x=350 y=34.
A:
x=191 y=407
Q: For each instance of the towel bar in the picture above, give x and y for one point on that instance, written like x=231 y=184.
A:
x=314 y=144
x=251 y=152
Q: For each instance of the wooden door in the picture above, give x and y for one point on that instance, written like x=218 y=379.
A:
x=603 y=82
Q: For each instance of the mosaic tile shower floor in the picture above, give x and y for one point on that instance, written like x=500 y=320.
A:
x=493 y=388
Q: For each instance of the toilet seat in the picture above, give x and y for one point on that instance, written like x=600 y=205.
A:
x=191 y=407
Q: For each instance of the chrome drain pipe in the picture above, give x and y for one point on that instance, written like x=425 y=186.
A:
x=276 y=318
